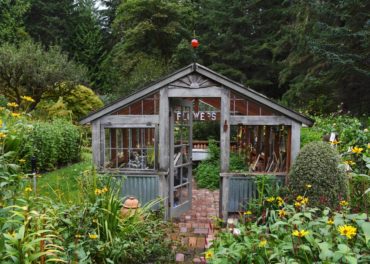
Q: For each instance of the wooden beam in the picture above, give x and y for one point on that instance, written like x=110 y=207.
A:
x=260 y=120
x=96 y=142
x=199 y=92
x=224 y=201
x=225 y=130
x=164 y=130
x=112 y=120
x=295 y=140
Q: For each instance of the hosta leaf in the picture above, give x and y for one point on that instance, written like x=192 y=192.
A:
x=351 y=260
x=366 y=229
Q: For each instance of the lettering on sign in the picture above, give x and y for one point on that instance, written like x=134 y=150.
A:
x=201 y=115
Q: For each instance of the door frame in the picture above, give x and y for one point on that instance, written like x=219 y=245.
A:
x=177 y=207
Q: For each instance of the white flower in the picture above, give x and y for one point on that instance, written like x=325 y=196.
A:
x=236 y=231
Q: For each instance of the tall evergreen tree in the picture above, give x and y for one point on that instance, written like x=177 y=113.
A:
x=12 y=28
x=243 y=40
x=48 y=21
x=329 y=64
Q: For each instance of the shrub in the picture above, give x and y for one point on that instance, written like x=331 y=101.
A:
x=53 y=144
x=318 y=165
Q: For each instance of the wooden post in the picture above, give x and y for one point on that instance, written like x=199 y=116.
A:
x=96 y=142
x=225 y=151
x=296 y=140
x=164 y=146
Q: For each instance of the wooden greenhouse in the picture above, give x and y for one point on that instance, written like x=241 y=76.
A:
x=147 y=137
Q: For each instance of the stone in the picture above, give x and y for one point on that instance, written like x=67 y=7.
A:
x=180 y=257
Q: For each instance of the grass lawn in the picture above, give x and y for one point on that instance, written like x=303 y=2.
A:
x=62 y=184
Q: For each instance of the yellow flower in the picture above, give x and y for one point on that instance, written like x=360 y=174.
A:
x=248 y=212
x=347 y=230
x=300 y=233
x=1 y=123
x=28 y=189
x=15 y=114
x=297 y=204
x=22 y=161
x=270 y=199
x=2 y=108
x=98 y=191
x=334 y=142
x=13 y=104
x=209 y=255
x=2 y=135
x=282 y=213
x=368 y=145
x=304 y=201
x=308 y=186
x=78 y=236
x=104 y=190
x=330 y=221
x=262 y=243
x=280 y=201
x=343 y=203
x=349 y=162
x=12 y=234
x=28 y=98
x=93 y=236
x=299 y=198
x=357 y=150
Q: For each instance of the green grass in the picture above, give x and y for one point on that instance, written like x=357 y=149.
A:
x=62 y=184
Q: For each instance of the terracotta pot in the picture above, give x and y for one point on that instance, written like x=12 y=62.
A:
x=130 y=206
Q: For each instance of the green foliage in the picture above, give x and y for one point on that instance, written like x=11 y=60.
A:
x=92 y=231
x=53 y=144
x=12 y=21
x=317 y=164
x=206 y=130
x=310 y=135
x=207 y=173
x=30 y=70
x=308 y=235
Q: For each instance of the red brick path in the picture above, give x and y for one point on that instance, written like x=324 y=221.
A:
x=193 y=231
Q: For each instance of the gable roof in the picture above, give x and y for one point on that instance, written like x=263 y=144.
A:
x=206 y=72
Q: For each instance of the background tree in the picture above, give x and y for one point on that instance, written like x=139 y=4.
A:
x=12 y=20
x=32 y=71
x=48 y=22
x=329 y=63
x=149 y=33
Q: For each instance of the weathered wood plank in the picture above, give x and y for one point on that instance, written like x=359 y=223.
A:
x=260 y=120
x=116 y=120
x=164 y=130
x=225 y=130
x=199 y=92
x=296 y=140
x=96 y=142
x=225 y=198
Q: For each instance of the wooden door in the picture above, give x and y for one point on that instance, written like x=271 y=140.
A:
x=181 y=113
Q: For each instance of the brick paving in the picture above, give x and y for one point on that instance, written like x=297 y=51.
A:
x=194 y=230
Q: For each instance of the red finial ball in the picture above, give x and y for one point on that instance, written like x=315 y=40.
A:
x=194 y=43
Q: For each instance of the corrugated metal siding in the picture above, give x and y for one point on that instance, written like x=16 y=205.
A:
x=145 y=188
x=241 y=190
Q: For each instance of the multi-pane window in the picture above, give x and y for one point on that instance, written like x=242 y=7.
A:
x=130 y=148
x=246 y=107
x=263 y=148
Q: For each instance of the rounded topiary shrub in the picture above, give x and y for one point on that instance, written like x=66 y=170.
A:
x=317 y=175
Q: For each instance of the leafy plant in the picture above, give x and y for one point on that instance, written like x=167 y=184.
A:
x=317 y=165
x=295 y=235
